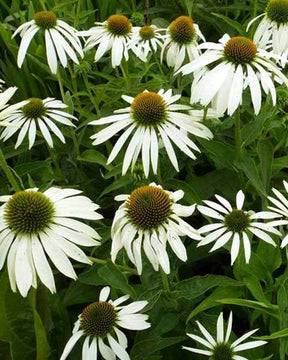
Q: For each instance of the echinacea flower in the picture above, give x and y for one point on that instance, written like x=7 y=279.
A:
x=146 y=39
x=150 y=117
x=280 y=206
x=226 y=69
x=61 y=39
x=35 y=224
x=221 y=348
x=99 y=324
x=112 y=34
x=235 y=223
x=37 y=113
x=150 y=217
x=182 y=40
x=271 y=33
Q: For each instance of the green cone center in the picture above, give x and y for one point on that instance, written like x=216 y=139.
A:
x=34 y=109
x=222 y=351
x=237 y=221
x=147 y=32
x=29 y=212
x=98 y=319
x=148 y=207
x=45 y=19
x=277 y=10
x=148 y=108
x=240 y=50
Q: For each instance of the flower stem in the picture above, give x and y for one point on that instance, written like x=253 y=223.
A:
x=76 y=20
x=91 y=97
x=238 y=141
x=165 y=281
x=120 y=267
x=60 y=82
x=255 y=8
x=125 y=72
x=8 y=172
x=56 y=163
x=159 y=66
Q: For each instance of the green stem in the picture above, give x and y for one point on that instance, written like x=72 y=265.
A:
x=76 y=21
x=120 y=267
x=238 y=141
x=42 y=2
x=165 y=281
x=74 y=84
x=56 y=163
x=60 y=82
x=125 y=72
x=88 y=88
x=255 y=8
x=10 y=176
x=159 y=66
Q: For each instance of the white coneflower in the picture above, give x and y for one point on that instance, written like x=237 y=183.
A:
x=35 y=224
x=182 y=40
x=150 y=218
x=235 y=224
x=99 y=324
x=280 y=206
x=61 y=39
x=146 y=39
x=150 y=117
x=226 y=69
x=221 y=348
x=37 y=113
x=271 y=32
x=112 y=34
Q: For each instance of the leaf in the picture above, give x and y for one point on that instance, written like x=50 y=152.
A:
x=143 y=349
x=265 y=152
x=212 y=300
x=116 y=279
x=198 y=285
x=275 y=335
x=250 y=170
x=222 y=154
x=270 y=309
x=94 y=157
x=234 y=24
x=190 y=194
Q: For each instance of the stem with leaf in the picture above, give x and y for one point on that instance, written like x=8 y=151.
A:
x=8 y=172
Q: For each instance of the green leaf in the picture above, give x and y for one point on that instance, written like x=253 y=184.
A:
x=116 y=279
x=265 y=152
x=143 y=349
x=234 y=24
x=275 y=335
x=212 y=300
x=198 y=285
x=270 y=309
x=250 y=170
x=94 y=157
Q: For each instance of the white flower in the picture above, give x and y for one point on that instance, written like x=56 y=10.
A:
x=226 y=69
x=220 y=348
x=5 y=109
x=99 y=323
x=271 y=32
x=61 y=39
x=113 y=34
x=182 y=36
x=235 y=224
x=151 y=117
x=35 y=224
x=150 y=217
x=280 y=207
x=146 y=39
x=36 y=113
